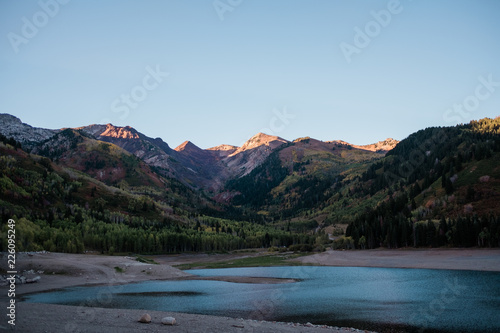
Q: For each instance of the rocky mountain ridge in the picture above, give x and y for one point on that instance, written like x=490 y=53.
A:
x=207 y=169
x=80 y=189
x=380 y=147
x=29 y=136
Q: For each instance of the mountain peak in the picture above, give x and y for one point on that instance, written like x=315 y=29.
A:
x=379 y=147
x=6 y=118
x=264 y=136
x=112 y=131
x=187 y=146
x=13 y=127
x=222 y=151
x=223 y=147
x=118 y=132
x=261 y=139
x=260 y=143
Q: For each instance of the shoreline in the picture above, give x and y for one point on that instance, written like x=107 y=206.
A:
x=58 y=270
x=61 y=270
x=85 y=319
x=446 y=259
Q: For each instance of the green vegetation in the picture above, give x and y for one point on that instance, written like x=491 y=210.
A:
x=442 y=190
x=97 y=231
x=255 y=187
x=448 y=174
x=438 y=187
x=258 y=261
x=57 y=208
x=299 y=178
x=146 y=260
x=119 y=269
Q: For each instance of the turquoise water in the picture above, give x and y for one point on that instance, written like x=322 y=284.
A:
x=412 y=300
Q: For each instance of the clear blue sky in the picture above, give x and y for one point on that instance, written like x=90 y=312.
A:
x=230 y=71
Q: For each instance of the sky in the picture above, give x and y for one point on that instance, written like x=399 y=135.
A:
x=219 y=71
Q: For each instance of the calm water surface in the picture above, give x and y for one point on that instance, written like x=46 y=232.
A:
x=369 y=298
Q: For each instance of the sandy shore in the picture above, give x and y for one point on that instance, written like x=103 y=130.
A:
x=458 y=259
x=36 y=318
x=65 y=270
x=62 y=270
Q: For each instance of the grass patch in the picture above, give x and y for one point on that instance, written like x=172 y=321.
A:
x=119 y=269
x=146 y=260
x=259 y=261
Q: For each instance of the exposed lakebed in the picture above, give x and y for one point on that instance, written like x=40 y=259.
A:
x=361 y=297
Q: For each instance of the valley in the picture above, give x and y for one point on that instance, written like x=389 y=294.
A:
x=115 y=190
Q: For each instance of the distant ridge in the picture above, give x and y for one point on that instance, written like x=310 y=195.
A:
x=188 y=146
x=381 y=146
x=118 y=132
x=260 y=139
x=13 y=127
x=196 y=167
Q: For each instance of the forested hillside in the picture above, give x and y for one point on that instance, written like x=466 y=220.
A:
x=110 y=201
x=298 y=178
x=438 y=187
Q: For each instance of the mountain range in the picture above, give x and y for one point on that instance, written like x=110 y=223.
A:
x=207 y=169
x=110 y=188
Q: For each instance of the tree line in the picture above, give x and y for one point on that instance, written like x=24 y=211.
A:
x=110 y=233
x=374 y=231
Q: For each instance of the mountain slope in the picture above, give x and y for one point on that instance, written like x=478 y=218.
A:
x=187 y=163
x=439 y=186
x=154 y=152
x=103 y=161
x=222 y=151
x=299 y=176
x=379 y=147
x=210 y=168
x=59 y=208
x=28 y=136
x=107 y=187
x=206 y=169
x=200 y=169
x=252 y=153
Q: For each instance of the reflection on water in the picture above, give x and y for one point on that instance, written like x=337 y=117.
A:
x=368 y=298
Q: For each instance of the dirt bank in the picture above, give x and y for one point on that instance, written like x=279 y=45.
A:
x=460 y=259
